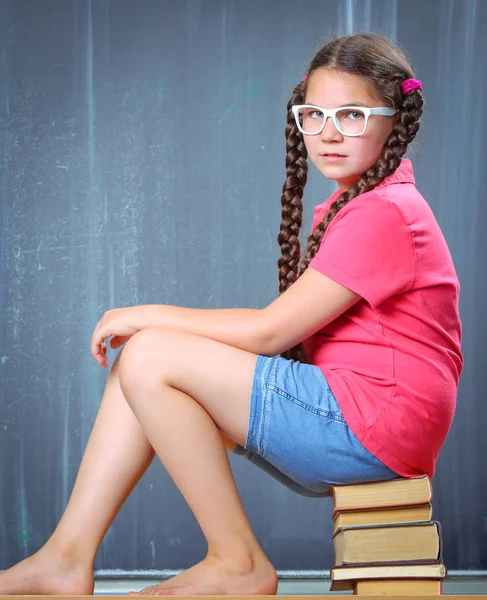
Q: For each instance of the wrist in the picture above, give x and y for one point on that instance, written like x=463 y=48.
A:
x=140 y=317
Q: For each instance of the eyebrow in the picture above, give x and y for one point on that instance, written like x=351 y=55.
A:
x=341 y=105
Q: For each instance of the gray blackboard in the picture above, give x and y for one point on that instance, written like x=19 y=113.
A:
x=141 y=161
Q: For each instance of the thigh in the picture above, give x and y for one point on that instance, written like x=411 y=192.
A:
x=296 y=425
x=217 y=376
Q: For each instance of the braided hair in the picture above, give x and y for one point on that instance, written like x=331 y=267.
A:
x=382 y=63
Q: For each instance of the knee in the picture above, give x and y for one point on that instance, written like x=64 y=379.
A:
x=137 y=364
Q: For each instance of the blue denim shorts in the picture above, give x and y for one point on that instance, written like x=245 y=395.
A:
x=297 y=433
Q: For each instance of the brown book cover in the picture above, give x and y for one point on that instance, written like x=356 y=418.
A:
x=402 y=491
x=401 y=514
x=389 y=543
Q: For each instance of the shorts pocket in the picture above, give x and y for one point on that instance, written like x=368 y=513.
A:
x=330 y=412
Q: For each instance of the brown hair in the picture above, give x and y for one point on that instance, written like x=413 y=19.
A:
x=382 y=63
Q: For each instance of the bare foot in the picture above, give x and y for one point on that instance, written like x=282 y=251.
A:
x=213 y=577
x=46 y=573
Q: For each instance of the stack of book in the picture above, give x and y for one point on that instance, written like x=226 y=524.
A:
x=385 y=541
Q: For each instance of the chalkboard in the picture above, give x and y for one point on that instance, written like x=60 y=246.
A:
x=141 y=161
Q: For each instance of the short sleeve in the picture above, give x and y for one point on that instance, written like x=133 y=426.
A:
x=368 y=248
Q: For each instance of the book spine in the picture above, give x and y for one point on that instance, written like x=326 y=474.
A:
x=386 y=563
x=375 y=507
x=440 y=539
x=391 y=525
x=430 y=486
x=347 y=573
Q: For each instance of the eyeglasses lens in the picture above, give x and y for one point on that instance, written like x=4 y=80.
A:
x=350 y=121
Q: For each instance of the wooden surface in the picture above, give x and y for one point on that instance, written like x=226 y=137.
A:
x=293 y=597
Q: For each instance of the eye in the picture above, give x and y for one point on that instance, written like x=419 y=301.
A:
x=359 y=115
x=313 y=113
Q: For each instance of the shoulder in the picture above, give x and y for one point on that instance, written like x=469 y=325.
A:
x=380 y=208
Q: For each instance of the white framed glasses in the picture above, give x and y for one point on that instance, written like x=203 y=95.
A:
x=349 y=120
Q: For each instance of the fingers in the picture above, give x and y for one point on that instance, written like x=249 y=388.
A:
x=98 y=347
x=103 y=355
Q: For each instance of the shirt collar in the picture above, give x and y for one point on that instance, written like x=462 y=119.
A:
x=403 y=174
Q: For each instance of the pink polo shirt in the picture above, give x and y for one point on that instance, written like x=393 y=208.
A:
x=393 y=360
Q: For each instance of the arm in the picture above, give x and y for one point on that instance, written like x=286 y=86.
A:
x=240 y=327
x=308 y=305
x=312 y=302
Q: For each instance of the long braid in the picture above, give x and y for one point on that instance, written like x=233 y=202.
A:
x=404 y=132
x=291 y=201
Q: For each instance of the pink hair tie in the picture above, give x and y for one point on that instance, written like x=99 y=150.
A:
x=305 y=78
x=409 y=85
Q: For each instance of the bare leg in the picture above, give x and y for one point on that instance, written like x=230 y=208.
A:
x=188 y=443
x=116 y=456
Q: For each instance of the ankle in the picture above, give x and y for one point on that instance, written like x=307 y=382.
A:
x=240 y=557
x=238 y=564
x=70 y=554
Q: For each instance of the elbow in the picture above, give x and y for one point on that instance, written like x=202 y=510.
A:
x=276 y=339
x=274 y=348
x=271 y=341
x=265 y=335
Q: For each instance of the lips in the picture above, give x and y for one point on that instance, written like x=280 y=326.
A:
x=332 y=154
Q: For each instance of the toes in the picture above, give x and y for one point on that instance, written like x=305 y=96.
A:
x=139 y=593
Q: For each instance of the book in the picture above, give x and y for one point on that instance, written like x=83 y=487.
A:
x=344 y=577
x=414 y=570
x=392 y=542
x=403 y=491
x=401 y=514
x=397 y=587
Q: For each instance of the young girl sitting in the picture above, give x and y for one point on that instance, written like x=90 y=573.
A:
x=350 y=375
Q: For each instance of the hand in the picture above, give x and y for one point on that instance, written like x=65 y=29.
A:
x=119 y=323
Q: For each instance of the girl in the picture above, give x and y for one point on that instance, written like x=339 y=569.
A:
x=350 y=375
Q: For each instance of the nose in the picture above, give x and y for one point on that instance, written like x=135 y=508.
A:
x=330 y=132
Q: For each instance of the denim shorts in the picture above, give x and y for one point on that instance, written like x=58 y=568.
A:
x=297 y=433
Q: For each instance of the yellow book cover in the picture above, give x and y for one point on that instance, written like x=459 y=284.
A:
x=393 y=542
x=403 y=491
x=397 y=587
x=409 y=570
x=402 y=514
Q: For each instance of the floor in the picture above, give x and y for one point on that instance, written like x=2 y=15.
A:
x=451 y=585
